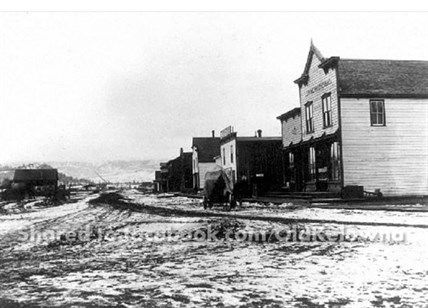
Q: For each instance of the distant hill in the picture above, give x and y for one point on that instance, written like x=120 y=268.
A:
x=112 y=171
x=7 y=173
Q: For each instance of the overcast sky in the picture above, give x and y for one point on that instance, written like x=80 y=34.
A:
x=107 y=86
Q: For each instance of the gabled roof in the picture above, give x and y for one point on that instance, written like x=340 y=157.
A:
x=258 y=139
x=313 y=50
x=207 y=148
x=383 y=78
x=373 y=78
x=183 y=156
x=289 y=114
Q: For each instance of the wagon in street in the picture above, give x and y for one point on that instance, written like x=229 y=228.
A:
x=218 y=189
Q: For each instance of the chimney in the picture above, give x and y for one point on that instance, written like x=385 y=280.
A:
x=213 y=133
x=181 y=151
x=259 y=133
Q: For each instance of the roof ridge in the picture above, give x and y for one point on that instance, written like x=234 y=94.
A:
x=354 y=59
x=383 y=78
x=255 y=137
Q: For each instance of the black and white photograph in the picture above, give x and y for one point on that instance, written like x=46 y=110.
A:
x=192 y=158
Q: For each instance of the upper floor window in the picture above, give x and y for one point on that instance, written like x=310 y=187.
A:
x=326 y=110
x=377 y=112
x=224 y=156
x=309 y=118
x=231 y=154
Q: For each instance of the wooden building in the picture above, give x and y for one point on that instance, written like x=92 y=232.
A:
x=37 y=178
x=204 y=152
x=28 y=183
x=160 y=182
x=157 y=183
x=362 y=123
x=175 y=175
x=254 y=159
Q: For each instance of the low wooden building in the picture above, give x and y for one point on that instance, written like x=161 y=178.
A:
x=363 y=123
x=180 y=172
x=160 y=182
x=255 y=159
x=28 y=183
x=37 y=177
x=204 y=153
x=175 y=175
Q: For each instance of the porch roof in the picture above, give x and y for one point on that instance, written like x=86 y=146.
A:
x=322 y=138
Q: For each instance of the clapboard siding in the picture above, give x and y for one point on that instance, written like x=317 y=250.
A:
x=203 y=168
x=228 y=146
x=393 y=158
x=317 y=77
x=291 y=130
x=195 y=161
x=200 y=168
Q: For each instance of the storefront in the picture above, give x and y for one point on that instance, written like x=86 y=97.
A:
x=314 y=165
x=354 y=119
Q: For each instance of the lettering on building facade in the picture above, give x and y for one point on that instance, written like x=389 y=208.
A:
x=318 y=87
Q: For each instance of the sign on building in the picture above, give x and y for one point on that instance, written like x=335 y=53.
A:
x=226 y=132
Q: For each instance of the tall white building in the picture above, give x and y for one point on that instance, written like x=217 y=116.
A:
x=360 y=123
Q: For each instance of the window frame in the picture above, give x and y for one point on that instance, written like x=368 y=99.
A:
x=377 y=113
x=335 y=164
x=231 y=153
x=291 y=160
x=312 y=160
x=328 y=112
x=309 y=120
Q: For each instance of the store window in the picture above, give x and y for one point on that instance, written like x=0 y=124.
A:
x=334 y=161
x=312 y=165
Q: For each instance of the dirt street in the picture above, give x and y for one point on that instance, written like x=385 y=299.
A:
x=163 y=252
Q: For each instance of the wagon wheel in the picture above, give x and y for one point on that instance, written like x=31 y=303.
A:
x=232 y=202
x=229 y=203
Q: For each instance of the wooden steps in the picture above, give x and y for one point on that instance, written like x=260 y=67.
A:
x=303 y=195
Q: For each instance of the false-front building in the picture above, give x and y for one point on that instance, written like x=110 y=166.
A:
x=360 y=123
x=254 y=160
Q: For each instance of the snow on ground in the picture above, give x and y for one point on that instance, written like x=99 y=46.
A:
x=14 y=222
x=292 y=211
x=133 y=268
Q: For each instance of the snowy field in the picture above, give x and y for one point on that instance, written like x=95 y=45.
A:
x=141 y=259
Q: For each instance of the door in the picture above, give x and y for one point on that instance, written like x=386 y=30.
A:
x=322 y=162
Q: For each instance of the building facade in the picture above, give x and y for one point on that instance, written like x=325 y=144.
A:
x=256 y=160
x=204 y=153
x=161 y=179
x=175 y=175
x=362 y=123
x=180 y=172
